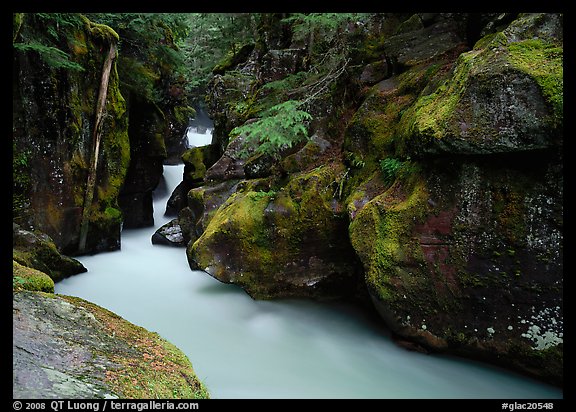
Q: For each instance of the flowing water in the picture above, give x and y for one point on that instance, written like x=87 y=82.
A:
x=241 y=348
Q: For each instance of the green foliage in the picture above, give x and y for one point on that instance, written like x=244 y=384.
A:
x=58 y=24
x=281 y=127
x=390 y=167
x=261 y=195
x=149 y=57
x=52 y=56
x=53 y=32
x=324 y=25
x=355 y=160
x=211 y=38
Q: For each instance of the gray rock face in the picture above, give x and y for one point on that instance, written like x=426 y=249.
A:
x=169 y=234
x=58 y=350
x=66 y=347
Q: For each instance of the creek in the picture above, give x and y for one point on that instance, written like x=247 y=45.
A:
x=242 y=348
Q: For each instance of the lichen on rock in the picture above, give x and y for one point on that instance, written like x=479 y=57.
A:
x=66 y=347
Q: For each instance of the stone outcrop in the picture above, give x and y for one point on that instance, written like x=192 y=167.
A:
x=444 y=177
x=56 y=85
x=68 y=348
x=38 y=251
x=53 y=122
x=462 y=248
x=288 y=241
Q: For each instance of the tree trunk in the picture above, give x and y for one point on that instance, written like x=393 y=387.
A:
x=96 y=137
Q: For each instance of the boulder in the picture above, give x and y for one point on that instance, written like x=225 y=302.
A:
x=68 y=348
x=504 y=95
x=36 y=250
x=169 y=234
x=462 y=245
x=466 y=258
x=281 y=242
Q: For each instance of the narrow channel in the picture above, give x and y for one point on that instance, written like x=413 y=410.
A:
x=243 y=348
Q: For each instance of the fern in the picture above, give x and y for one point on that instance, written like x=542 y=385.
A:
x=52 y=56
x=281 y=127
x=390 y=167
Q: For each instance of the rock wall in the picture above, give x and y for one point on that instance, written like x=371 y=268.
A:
x=57 y=73
x=53 y=125
x=463 y=251
x=432 y=180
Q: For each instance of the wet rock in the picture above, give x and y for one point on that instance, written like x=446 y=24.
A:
x=374 y=73
x=37 y=250
x=53 y=135
x=197 y=161
x=416 y=44
x=505 y=95
x=463 y=254
x=169 y=234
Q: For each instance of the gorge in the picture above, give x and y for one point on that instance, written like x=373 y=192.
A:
x=374 y=183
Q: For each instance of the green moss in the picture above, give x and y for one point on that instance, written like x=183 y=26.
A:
x=430 y=115
x=158 y=370
x=27 y=278
x=194 y=158
x=260 y=232
x=543 y=62
x=101 y=31
x=381 y=233
x=182 y=114
x=433 y=114
x=113 y=214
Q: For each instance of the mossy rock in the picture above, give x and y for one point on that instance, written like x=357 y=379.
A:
x=196 y=161
x=465 y=257
x=281 y=241
x=66 y=347
x=38 y=251
x=504 y=95
x=25 y=278
x=54 y=114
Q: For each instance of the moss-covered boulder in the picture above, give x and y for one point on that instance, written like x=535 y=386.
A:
x=26 y=278
x=37 y=250
x=281 y=241
x=203 y=202
x=463 y=254
x=66 y=347
x=504 y=95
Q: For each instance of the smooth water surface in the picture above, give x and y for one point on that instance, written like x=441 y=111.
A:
x=243 y=348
